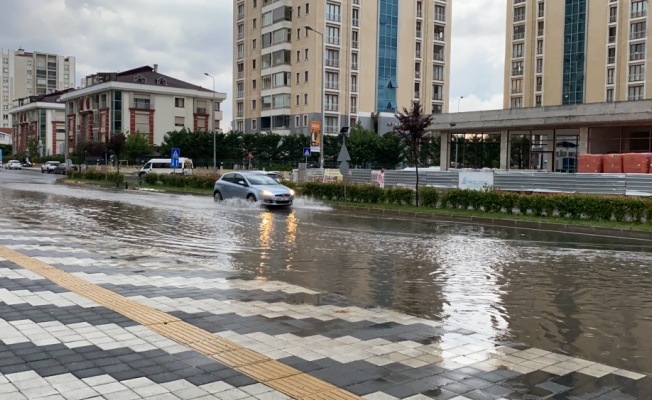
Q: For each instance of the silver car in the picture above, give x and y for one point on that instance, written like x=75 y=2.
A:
x=252 y=186
x=13 y=164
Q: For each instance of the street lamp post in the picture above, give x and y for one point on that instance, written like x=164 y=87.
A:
x=213 y=124
x=323 y=97
x=458 y=103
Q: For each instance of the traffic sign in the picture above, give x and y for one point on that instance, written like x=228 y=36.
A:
x=306 y=152
x=344 y=154
x=174 y=162
x=344 y=169
x=0 y=156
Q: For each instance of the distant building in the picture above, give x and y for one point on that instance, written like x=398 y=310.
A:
x=138 y=100
x=24 y=74
x=40 y=120
x=369 y=57
x=5 y=135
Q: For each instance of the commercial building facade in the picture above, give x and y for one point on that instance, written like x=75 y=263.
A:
x=39 y=123
x=576 y=51
x=138 y=100
x=24 y=74
x=370 y=58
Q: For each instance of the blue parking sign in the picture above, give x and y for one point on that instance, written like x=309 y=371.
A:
x=174 y=162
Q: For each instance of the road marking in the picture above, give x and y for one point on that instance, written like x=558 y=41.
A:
x=276 y=375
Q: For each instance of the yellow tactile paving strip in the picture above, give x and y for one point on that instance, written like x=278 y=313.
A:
x=272 y=373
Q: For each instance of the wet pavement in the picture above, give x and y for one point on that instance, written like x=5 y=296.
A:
x=381 y=308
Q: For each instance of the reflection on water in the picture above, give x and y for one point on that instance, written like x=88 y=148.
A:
x=589 y=297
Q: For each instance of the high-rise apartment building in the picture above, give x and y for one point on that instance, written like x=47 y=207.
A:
x=376 y=57
x=26 y=74
x=575 y=51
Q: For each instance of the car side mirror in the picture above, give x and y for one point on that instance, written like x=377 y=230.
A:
x=242 y=183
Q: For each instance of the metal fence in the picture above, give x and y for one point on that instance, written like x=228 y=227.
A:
x=536 y=182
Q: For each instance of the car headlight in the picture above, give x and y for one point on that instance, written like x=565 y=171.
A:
x=267 y=193
x=291 y=192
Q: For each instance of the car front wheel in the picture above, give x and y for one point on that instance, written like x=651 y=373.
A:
x=217 y=197
x=251 y=198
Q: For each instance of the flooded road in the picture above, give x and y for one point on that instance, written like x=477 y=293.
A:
x=578 y=295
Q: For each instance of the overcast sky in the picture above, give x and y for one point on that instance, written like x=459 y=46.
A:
x=189 y=37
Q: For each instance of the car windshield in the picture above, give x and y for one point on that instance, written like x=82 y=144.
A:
x=261 y=180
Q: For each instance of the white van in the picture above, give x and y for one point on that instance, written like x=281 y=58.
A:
x=162 y=166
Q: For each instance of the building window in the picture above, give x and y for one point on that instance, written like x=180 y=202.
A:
x=638 y=8
x=254 y=124
x=610 y=95
x=636 y=92
x=517 y=85
x=253 y=104
x=298 y=55
x=610 y=76
x=5 y=61
x=307 y=8
x=297 y=121
x=140 y=79
x=519 y=32
x=517 y=68
x=298 y=99
x=299 y=12
x=179 y=102
x=305 y=56
x=516 y=102
x=298 y=77
x=179 y=122
x=305 y=98
x=574 y=52
x=519 y=14
x=611 y=55
x=305 y=76
x=29 y=72
x=253 y=23
x=637 y=30
x=253 y=64
x=517 y=50
x=305 y=120
x=253 y=43
x=636 y=51
x=142 y=104
x=636 y=73
x=253 y=84
x=161 y=82
x=537 y=100
x=387 y=61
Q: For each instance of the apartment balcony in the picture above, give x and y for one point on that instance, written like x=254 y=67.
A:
x=519 y=36
x=332 y=85
x=612 y=39
x=417 y=95
x=538 y=88
x=333 y=62
x=439 y=36
x=331 y=107
x=354 y=44
x=611 y=60
x=637 y=56
x=638 y=14
x=436 y=109
x=516 y=90
x=419 y=13
x=519 y=17
x=613 y=18
x=418 y=53
x=518 y=54
x=540 y=14
x=240 y=75
x=438 y=56
x=143 y=106
x=331 y=129
x=540 y=51
x=240 y=56
x=610 y=99
x=438 y=77
x=240 y=95
x=519 y=1
x=334 y=17
x=354 y=66
x=239 y=114
x=240 y=16
x=333 y=40
x=354 y=88
x=539 y=32
x=356 y=2
x=517 y=72
x=637 y=35
x=417 y=74
x=355 y=22
x=354 y=109
x=610 y=80
x=635 y=97
x=636 y=77
x=240 y=35
x=437 y=97
x=200 y=110
x=419 y=34
x=440 y=17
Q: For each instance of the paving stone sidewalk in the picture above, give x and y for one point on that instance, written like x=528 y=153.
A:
x=57 y=344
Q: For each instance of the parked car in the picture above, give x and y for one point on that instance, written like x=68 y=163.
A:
x=49 y=166
x=13 y=164
x=63 y=169
x=253 y=186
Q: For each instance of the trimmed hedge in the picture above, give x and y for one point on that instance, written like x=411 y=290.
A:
x=181 y=181
x=574 y=206
x=97 y=175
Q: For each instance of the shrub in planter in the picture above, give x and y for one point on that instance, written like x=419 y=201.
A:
x=151 y=179
x=429 y=197
x=400 y=196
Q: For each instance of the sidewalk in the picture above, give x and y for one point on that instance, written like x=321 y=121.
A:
x=78 y=324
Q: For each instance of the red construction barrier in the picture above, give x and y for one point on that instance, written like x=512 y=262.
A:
x=612 y=163
x=636 y=163
x=590 y=164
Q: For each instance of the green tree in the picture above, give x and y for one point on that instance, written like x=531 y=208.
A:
x=363 y=146
x=411 y=129
x=390 y=151
x=136 y=146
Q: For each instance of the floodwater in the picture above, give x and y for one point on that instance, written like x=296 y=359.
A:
x=584 y=296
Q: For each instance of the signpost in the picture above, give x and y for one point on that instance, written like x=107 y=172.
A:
x=344 y=159
x=174 y=161
x=0 y=157
x=306 y=153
